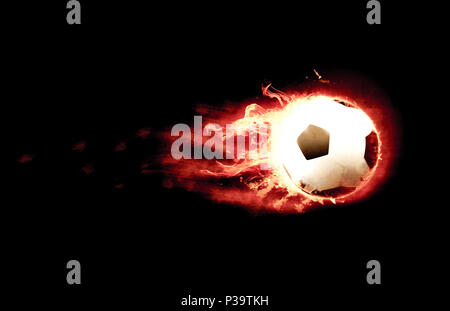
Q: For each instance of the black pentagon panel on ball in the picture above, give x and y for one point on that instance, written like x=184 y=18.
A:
x=371 y=152
x=314 y=142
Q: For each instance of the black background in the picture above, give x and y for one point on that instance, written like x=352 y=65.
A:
x=133 y=65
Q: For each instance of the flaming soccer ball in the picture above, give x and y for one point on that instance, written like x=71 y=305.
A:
x=328 y=148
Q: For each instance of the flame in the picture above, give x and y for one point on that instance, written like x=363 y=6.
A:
x=258 y=180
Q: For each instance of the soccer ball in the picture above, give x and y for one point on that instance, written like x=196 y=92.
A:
x=328 y=148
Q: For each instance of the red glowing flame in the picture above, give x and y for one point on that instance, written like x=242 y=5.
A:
x=243 y=182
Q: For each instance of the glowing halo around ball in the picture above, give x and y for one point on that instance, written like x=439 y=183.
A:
x=328 y=144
